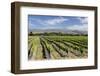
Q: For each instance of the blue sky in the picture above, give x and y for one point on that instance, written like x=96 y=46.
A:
x=57 y=22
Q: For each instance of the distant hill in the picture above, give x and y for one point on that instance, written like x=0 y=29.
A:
x=58 y=30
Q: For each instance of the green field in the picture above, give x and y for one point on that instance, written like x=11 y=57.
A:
x=57 y=47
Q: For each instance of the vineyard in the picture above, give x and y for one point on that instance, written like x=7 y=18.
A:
x=57 y=47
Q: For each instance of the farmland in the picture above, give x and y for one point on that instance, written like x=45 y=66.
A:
x=41 y=47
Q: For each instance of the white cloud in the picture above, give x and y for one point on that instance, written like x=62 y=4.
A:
x=83 y=20
x=78 y=27
x=81 y=27
x=56 y=21
x=52 y=21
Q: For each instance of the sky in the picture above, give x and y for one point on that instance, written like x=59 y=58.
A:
x=57 y=22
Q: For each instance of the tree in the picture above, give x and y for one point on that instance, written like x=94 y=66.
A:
x=30 y=33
